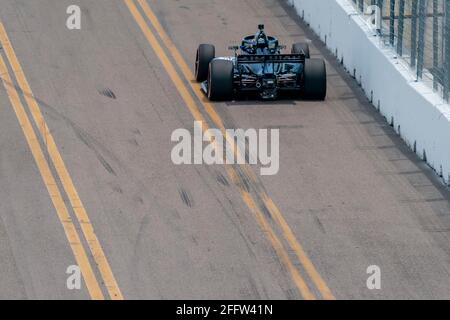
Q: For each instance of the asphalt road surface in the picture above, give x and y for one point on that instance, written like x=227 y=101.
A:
x=86 y=177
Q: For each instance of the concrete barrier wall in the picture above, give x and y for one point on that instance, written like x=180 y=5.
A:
x=418 y=114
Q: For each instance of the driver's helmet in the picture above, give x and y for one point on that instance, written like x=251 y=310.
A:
x=261 y=40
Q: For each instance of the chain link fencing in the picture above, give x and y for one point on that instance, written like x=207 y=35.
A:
x=419 y=30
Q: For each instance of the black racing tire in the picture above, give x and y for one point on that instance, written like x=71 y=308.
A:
x=205 y=54
x=315 y=79
x=220 y=80
x=301 y=47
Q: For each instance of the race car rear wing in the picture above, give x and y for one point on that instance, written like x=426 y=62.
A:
x=269 y=58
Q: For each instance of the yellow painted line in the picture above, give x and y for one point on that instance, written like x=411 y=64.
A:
x=278 y=246
x=184 y=92
x=297 y=248
x=69 y=187
x=52 y=188
x=187 y=73
x=210 y=109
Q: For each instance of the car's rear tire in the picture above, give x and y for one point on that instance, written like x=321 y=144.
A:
x=315 y=79
x=205 y=54
x=220 y=80
x=301 y=47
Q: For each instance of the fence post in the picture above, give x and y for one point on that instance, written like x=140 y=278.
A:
x=392 y=23
x=435 y=44
x=421 y=41
x=413 y=32
x=401 y=27
x=447 y=51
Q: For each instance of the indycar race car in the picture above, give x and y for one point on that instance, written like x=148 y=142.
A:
x=260 y=67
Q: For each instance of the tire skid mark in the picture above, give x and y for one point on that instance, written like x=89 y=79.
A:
x=108 y=93
x=99 y=156
x=186 y=197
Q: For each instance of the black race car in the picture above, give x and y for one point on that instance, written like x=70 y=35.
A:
x=260 y=67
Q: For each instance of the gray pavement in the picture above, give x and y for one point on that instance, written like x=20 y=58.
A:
x=353 y=194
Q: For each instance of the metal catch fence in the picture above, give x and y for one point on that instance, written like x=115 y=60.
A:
x=419 y=30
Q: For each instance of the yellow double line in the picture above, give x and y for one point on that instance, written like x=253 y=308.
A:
x=77 y=206
x=248 y=198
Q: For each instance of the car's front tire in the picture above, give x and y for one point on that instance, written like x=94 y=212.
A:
x=220 y=80
x=315 y=79
x=205 y=54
